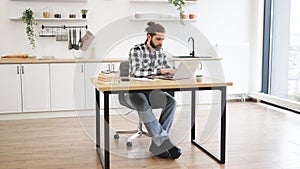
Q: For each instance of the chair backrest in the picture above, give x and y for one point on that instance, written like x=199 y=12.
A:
x=124 y=69
x=124 y=97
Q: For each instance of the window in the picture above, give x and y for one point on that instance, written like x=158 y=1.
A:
x=281 y=56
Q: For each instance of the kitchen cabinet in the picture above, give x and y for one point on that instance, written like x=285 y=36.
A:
x=35 y=87
x=24 y=87
x=56 y=85
x=67 y=86
x=10 y=91
x=91 y=71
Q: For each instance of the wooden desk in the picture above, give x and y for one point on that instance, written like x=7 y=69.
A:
x=166 y=85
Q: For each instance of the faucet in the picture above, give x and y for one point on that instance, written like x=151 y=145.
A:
x=193 y=43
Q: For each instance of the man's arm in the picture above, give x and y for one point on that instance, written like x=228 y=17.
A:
x=167 y=69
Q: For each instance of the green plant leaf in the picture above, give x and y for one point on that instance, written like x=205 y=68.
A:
x=28 y=19
x=179 y=4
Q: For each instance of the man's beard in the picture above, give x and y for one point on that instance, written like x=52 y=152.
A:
x=156 y=47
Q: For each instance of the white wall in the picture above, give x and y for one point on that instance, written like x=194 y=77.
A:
x=222 y=22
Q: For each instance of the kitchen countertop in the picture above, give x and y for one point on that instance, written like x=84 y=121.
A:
x=55 y=60
x=84 y=60
x=191 y=59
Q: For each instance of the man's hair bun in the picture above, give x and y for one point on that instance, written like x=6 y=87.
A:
x=151 y=23
x=154 y=28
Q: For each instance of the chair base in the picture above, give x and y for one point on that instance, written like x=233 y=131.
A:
x=136 y=133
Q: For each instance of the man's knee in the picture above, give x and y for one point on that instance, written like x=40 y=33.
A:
x=139 y=102
x=172 y=101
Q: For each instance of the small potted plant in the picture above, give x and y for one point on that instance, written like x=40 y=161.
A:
x=28 y=19
x=199 y=78
x=84 y=12
x=179 y=5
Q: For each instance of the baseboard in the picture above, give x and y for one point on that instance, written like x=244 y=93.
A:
x=276 y=101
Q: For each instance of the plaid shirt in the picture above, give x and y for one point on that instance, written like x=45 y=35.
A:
x=144 y=62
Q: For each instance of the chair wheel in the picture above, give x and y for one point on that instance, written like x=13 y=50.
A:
x=129 y=144
x=116 y=136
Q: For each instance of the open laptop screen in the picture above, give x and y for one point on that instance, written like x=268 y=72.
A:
x=185 y=70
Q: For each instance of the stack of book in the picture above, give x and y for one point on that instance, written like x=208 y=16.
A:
x=108 y=77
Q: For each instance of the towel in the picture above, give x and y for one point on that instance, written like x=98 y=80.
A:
x=87 y=40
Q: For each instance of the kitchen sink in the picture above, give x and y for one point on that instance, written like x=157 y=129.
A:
x=189 y=56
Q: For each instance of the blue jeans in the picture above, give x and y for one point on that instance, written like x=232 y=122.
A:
x=144 y=103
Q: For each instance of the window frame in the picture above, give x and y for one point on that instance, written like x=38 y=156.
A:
x=266 y=62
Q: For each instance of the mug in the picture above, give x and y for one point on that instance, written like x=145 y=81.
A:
x=72 y=16
x=57 y=15
x=46 y=14
x=192 y=16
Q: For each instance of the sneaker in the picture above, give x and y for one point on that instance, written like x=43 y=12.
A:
x=174 y=151
x=159 y=151
x=166 y=150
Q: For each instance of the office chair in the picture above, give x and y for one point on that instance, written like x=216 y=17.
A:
x=125 y=101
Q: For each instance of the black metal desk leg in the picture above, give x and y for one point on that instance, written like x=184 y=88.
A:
x=97 y=118
x=220 y=159
x=193 y=115
x=98 y=134
x=223 y=124
x=106 y=131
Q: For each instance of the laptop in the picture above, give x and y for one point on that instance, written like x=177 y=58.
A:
x=185 y=70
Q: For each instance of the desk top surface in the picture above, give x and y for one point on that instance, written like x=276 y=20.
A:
x=138 y=84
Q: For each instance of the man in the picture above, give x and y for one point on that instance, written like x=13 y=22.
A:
x=148 y=59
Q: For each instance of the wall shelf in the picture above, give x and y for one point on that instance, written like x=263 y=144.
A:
x=160 y=1
x=163 y=12
x=158 y=17
x=50 y=19
x=162 y=19
x=51 y=0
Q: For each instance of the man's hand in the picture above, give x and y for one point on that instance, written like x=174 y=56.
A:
x=167 y=71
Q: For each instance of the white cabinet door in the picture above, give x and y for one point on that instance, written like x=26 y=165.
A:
x=79 y=86
x=10 y=90
x=35 y=87
x=91 y=71
x=67 y=86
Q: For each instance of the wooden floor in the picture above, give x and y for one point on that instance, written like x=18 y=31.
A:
x=258 y=137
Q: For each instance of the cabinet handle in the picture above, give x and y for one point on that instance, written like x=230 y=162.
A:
x=81 y=68
x=113 y=67
x=18 y=70
x=22 y=69
x=108 y=67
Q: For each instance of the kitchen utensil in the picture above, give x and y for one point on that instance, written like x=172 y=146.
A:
x=80 y=40
x=75 y=46
x=70 y=40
